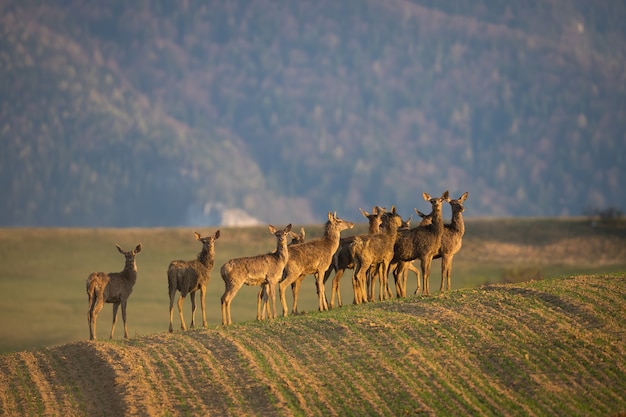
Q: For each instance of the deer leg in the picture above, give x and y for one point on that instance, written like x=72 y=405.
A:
x=426 y=275
x=259 y=301
x=227 y=298
x=397 y=270
x=172 y=295
x=335 y=289
x=417 y=274
x=115 y=306
x=321 y=291
x=356 y=285
x=272 y=294
x=203 y=304
x=385 y=293
x=124 y=318
x=282 y=286
x=96 y=305
x=193 y=309
x=181 y=300
x=295 y=289
x=446 y=271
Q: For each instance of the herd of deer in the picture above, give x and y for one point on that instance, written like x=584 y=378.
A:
x=391 y=245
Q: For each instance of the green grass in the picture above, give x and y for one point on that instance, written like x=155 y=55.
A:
x=43 y=271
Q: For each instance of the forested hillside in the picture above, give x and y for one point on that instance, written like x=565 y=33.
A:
x=140 y=113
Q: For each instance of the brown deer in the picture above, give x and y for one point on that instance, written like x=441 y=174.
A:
x=373 y=253
x=114 y=287
x=400 y=269
x=421 y=242
x=297 y=238
x=187 y=277
x=342 y=259
x=259 y=270
x=263 y=296
x=312 y=257
x=452 y=240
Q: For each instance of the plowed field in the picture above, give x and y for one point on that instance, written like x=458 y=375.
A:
x=550 y=347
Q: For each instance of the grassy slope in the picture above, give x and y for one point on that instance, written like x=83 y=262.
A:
x=43 y=271
x=549 y=347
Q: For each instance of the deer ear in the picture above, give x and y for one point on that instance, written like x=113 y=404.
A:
x=272 y=229
x=119 y=249
x=302 y=232
x=288 y=228
x=217 y=234
x=138 y=248
x=363 y=212
x=446 y=195
x=464 y=196
x=197 y=235
x=426 y=196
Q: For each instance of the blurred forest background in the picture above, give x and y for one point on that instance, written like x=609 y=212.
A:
x=161 y=113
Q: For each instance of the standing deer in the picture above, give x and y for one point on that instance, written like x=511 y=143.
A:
x=263 y=296
x=400 y=269
x=373 y=253
x=187 y=277
x=342 y=259
x=114 y=287
x=259 y=270
x=312 y=257
x=452 y=240
x=421 y=242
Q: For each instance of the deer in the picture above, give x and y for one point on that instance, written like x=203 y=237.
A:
x=374 y=253
x=452 y=240
x=187 y=277
x=297 y=238
x=421 y=242
x=403 y=268
x=342 y=259
x=115 y=288
x=260 y=270
x=263 y=296
x=312 y=257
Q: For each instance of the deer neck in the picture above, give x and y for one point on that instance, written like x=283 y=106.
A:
x=437 y=225
x=457 y=222
x=374 y=228
x=206 y=256
x=130 y=270
x=281 y=250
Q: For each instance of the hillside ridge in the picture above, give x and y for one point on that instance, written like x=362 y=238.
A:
x=549 y=347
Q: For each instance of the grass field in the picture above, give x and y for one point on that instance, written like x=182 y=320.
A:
x=43 y=271
x=553 y=347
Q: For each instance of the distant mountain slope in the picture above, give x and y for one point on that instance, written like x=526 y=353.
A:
x=143 y=113
x=552 y=347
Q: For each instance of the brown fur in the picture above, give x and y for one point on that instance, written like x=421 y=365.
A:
x=421 y=242
x=312 y=257
x=187 y=277
x=256 y=270
x=264 y=292
x=452 y=240
x=115 y=288
x=342 y=259
x=374 y=252
x=401 y=269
